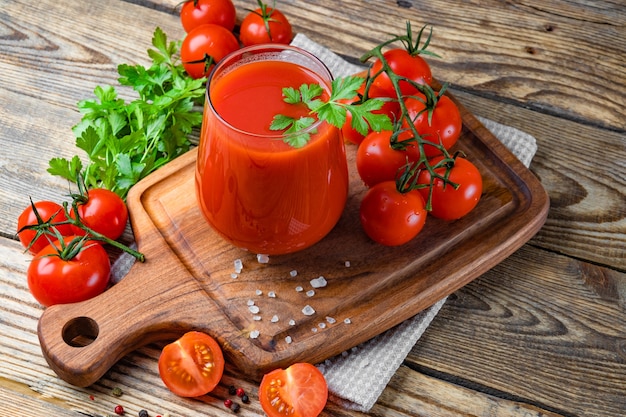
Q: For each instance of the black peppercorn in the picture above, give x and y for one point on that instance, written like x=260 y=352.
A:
x=235 y=407
x=143 y=413
x=245 y=399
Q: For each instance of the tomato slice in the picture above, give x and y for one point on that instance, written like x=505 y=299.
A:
x=298 y=391
x=193 y=365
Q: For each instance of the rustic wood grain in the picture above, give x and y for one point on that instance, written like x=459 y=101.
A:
x=559 y=324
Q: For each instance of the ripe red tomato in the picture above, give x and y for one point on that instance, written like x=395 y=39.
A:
x=391 y=108
x=265 y=25
x=104 y=212
x=377 y=161
x=192 y=365
x=449 y=203
x=46 y=211
x=196 y=13
x=412 y=67
x=298 y=391
x=390 y=217
x=444 y=126
x=57 y=279
x=205 y=46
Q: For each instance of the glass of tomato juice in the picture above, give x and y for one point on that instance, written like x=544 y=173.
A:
x=254 y=188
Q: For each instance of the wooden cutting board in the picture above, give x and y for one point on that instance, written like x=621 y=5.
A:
x=187 y=281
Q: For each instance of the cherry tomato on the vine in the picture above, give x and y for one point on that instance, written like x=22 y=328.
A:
x=402 y=63
x=46 y=210
x=265 y=25
x=377 y=161
x=442 y=127
x=192 y=365
x=391 y=217
x=196 y=13
x=205 y=46
x=298 y=391
x=55 y=280
x=103 y=211
x=447 y=202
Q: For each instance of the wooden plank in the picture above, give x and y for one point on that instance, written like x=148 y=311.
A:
x=583 y=170
x=564 y=58
x=552 y=335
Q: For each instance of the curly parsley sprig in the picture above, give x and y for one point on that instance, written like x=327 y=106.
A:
x=125 y=141
x=333 y=111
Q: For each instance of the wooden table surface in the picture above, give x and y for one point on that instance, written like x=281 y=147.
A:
x=541 y=334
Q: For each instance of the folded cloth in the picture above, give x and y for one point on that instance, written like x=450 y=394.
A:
x=357 y=377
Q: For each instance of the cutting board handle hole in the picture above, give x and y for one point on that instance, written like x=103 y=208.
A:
x=80 y=331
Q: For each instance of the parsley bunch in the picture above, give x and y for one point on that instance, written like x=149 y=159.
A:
x=125 y=141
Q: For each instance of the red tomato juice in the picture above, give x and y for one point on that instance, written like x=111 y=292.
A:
x=257 y=191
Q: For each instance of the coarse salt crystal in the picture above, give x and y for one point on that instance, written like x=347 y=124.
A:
x=262 y=258
x=254 y=334
x=238 y=265
x=308 y=310
x=347 y=321
x=258 y=292
x=288 y=339
x=292 y=322
x=314 y=329
x=234 y=276
x=271 y=294
x=254 y=309
x=250 y=303
x=299 y=289
x=256 y=318
x=293 y=273
x=331 y=320
x=318 y=282
x=347 y=264
x=310 y=293
x=274 y=319
x=322 y=325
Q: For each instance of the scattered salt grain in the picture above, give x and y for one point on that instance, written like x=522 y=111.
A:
x=256 y=318
x=331 y=320
x=262 y=258
x=314 y=329
x=238 y=265
x=292 y=322
x=274 y=319
x=254 y=334
x=347 y=264
x=258 y=292
x=288 y=339
x=308 y=310
x=234 y=276
x=319 y=282
x=347 y=321
x=310 y=293
x=271 y=294
x=254 y=309
x=299 y=289
x=250 y=303
x=322 y=325
x=293 y=273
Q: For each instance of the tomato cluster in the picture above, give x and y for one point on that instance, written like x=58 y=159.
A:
x=410 y=170
x=70 y=263
x=210 y=37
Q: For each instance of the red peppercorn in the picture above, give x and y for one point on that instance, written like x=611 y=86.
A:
x=240 y=392
x=119 y=410
x=228 y=403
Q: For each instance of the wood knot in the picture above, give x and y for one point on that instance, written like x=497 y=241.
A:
x=405 y=4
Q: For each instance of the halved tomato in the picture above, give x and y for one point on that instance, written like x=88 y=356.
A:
x=298 y=391
x=193 y=365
